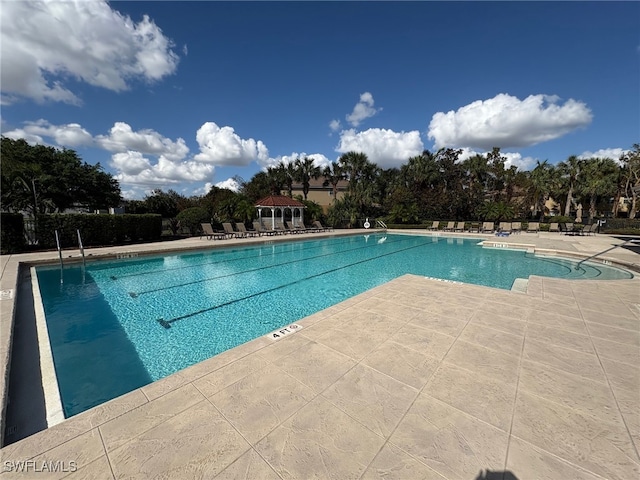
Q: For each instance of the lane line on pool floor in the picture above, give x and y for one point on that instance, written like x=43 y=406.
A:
x=167 y=323
x=208 y=279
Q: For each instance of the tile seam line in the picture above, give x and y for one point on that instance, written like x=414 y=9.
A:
x=560 y=459
x=515 y=395
x=252 y=446
x=420 y=392
x=613 y=394
x=106 y=453
x=153 y=426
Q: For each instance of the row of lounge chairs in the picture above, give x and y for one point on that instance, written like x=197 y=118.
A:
x=482 y=227
x=574 y=229
x=258 y=230
x=512 y=227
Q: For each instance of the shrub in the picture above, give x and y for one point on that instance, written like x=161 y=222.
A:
x=191 y=218
x=617 y=225
x=12 y=228
x=96 y=230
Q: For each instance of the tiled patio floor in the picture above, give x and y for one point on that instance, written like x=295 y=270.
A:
x=414 y=379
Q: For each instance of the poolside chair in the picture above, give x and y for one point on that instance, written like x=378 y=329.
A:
x=322 y=227
x=207 y=230
x=312 y=229
x=257 y=226
x=505 y=227
x=247 y=233
x=459 y=227
x=590 y=229
x=569 y=229
x=533 y=227
x=450 y=227
x=433 y=226
x=280 y=227
x=488 y=227
x=516 y=227
x=293 y=228
x=228 y=229
x=554 y=227
x=475 y=227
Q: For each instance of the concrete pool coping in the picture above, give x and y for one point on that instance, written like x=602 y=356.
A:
x=99 y=438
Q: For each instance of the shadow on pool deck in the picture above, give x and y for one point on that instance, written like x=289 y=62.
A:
x=25 y=413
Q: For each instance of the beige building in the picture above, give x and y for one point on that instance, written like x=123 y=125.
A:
x=320 y=194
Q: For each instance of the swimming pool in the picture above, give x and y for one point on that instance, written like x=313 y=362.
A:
x=117 y=325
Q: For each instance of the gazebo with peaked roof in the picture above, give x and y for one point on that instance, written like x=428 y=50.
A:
x=280 y=203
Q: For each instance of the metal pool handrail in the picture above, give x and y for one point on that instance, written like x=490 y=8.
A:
x=632 y=240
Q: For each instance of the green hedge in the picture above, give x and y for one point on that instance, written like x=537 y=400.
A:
x=96 y=230
x=12 y=230
x=630 y=225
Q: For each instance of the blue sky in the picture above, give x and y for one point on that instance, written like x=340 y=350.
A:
x=186 y=95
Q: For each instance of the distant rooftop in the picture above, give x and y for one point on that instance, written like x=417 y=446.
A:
x=278 y=201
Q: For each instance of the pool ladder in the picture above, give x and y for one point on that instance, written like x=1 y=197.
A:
x=632 y=240
x=60 y=248
x=381 y=224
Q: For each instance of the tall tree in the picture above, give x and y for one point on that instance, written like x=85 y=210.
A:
x=361 y=174
x=287 y=172
x=276 y=179
x=541 y=185
x=258 y=187
x=304 y=171
x=496 y=173
x=42 y=179
x=569 y=172
x=333 y=174
x=599 y=180
x=631 y=164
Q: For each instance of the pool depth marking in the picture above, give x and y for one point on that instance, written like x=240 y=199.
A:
x=284 y=331
x=167 y=323
x=154 y=290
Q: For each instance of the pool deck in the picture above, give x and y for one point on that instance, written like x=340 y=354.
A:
x=416 y=378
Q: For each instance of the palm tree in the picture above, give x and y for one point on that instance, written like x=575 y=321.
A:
x=362 y=176
x=333 y=175
x=599 y=179
x=275 y=179
x=354 y=164
x=304 y=171
x=568 y=172
x=631 y=171
x=287 y=172
x=540 y=186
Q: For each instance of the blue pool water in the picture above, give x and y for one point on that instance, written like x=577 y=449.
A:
x=117 y=325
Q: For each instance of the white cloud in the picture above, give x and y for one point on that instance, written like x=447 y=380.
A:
x=223 y=147
x=45 y=43
x=230 y=184
x=67 y=135
x=203 y=190
x=523 y=163
x=612 y=153
x=335 y=125
x=135 y=169
x=363 y=110
x=383 y=147
x=512 y=158
x=506 y=121
x=122 y=138
x=30 y=138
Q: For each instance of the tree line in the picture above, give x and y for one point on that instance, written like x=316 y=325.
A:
x=432 y=185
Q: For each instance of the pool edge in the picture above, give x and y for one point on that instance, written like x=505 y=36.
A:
x=53 y=403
